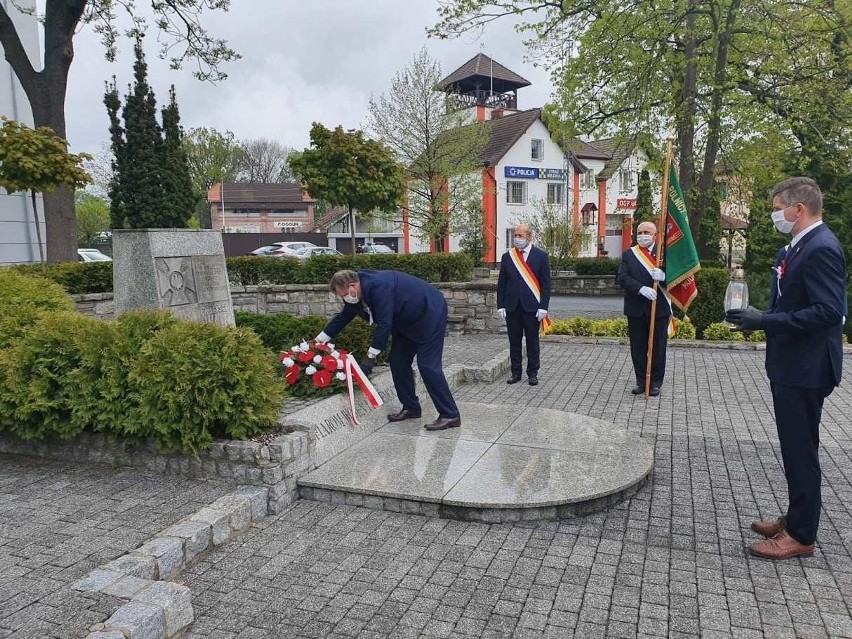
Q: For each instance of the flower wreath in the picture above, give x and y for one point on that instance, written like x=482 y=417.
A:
x=319 y=362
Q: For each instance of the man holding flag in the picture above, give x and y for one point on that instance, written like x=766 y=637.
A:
x=523 y=295
x=641 y=275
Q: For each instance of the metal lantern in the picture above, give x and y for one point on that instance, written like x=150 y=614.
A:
x=736 y=295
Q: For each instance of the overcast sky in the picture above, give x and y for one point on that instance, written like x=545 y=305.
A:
x=301 y=62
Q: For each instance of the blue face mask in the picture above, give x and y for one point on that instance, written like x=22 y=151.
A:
x=520 y=243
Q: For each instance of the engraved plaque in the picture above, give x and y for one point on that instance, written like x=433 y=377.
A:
x=176 y=280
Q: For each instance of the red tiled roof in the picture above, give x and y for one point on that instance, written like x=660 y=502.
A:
x=236 y=193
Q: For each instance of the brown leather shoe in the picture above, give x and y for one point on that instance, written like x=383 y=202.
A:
x=769 y=528
x=781 y=546
x=443 y=423
x=404 y=414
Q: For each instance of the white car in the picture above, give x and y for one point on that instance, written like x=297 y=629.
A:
x=288 y=249
x=310 y=251
x=377 y=249
x=92 y=255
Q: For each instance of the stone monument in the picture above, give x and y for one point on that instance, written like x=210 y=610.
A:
x=181 y=270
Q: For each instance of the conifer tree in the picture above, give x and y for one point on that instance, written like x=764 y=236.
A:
x=116 y=201
x=180 y=196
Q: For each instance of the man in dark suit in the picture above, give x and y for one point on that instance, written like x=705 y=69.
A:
x=640 y=278
x=523 y=295
x=804 y=356
x=414 y=314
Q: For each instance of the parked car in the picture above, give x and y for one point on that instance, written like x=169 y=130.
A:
x=310 y=251
x=264 y=250
x=92 y=255
x=376 y=249
x=288 y=249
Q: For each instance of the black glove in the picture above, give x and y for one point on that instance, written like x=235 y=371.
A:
x=366 y=365
x=745 y=319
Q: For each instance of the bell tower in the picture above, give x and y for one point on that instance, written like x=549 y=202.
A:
x=484 y=85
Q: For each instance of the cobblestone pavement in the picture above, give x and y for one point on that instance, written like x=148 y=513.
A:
x=669 y=562
x=59 y=521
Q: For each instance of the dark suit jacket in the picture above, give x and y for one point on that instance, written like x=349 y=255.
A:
x=803 y=325
x=513 y=292
x=632 y=276
x=399 y=303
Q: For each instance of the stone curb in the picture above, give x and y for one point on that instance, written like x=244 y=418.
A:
x=156 y=607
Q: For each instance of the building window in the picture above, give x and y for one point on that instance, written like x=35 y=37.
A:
x=555 y=193
x=286 y=212
x=626 y=180
x=516 y=192
x=587 y=180
x=537 y=150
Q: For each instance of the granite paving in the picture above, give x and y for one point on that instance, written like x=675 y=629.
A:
x=669 y=562
x=59 y=521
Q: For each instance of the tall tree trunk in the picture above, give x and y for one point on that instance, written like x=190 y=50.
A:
x=46 y=90
x=706 y=204
x=685 y=120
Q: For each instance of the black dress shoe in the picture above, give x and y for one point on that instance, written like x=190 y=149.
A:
x=655 y=390
x=513 y=379
x=443 y=423
x=404 y=414
x=638 y=390
x=533 y=381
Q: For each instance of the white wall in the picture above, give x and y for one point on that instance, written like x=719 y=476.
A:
x=17 y=229
x=520 y=155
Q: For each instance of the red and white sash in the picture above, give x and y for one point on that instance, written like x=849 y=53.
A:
x=530 y=280
x=647 y=260
x=354 y=373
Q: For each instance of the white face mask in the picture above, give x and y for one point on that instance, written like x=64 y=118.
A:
x=644 y=240
x=351 y=299
x=782 y=224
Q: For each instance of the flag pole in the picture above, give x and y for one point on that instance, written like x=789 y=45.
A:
x=661 y=248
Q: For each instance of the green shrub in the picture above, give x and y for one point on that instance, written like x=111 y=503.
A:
x=684 y=330
x=596 y=265
x=756 y=336
x=610 y=327
x=440 y=267
x=722 y=332
x=279 y=332
x=199 y=381
x=709 y=307
x=579 y=326
x=24 y=300
x=37 y=387
x=75 y=277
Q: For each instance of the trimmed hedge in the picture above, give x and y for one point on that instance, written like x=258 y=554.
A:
x=586 y=265
x=709 y=307
x=146 y=375
x=96 y=277
x=76 y=278
x=586 y=327
x=440 y=267
x=279 y=332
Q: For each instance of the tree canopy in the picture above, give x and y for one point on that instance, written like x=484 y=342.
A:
x=344 y=168
x=439 y=148
x=182 y=39
x=713 y=72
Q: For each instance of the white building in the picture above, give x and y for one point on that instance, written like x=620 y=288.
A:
x=18 y=241
x=595 y=184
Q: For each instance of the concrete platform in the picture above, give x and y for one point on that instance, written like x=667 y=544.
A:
x=505 y=463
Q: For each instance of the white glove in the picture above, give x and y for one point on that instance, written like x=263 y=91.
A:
x=322 y=338
x=501 y=313
x=540 y=314
x=658 y=274
x=648 y=293
x=373 y=352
